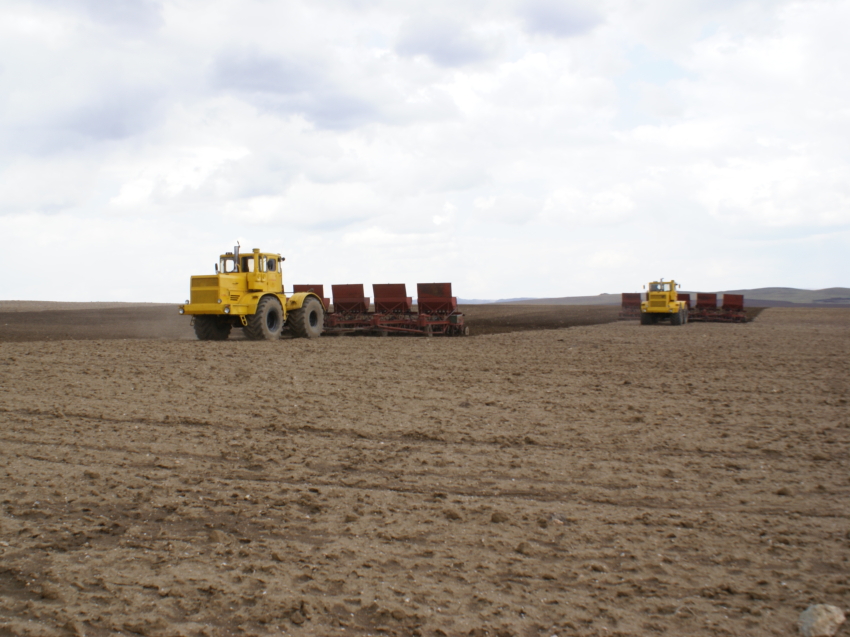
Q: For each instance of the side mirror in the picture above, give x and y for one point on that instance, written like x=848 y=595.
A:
x=216 y=268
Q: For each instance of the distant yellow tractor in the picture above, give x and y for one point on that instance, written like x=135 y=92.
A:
x=247 y=291
x=662 y=303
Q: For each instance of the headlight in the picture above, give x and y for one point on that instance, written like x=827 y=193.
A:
x=181 y=310
x=227 y=310
x=219 y=300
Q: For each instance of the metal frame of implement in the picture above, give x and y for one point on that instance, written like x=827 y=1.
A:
x=393 y=310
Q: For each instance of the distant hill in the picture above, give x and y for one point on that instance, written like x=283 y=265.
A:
x=756 y=297
x=599 y=299
x=489 y=301
x=827 y=296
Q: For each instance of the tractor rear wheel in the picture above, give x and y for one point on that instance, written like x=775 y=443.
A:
x=308 y=321
x=211 y=328
x=267 y=322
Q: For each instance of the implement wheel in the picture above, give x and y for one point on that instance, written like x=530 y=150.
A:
x=308 y=321
x=211 y=328
x=267 y=322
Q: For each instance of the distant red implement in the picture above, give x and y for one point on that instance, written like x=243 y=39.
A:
x=631 y=306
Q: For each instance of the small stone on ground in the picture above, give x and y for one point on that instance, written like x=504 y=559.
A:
x=820 y=620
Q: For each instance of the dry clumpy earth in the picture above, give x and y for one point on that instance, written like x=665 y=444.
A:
x=606 y=479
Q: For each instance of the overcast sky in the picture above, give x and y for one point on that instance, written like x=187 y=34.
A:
x=516 y=148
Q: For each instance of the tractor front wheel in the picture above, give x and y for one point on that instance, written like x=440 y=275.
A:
x=211 y=328
x=646 y=318
x=267 y=322
x=308 y=321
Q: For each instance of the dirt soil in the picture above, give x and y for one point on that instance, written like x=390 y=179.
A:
x=606 y=479
x=35 y=321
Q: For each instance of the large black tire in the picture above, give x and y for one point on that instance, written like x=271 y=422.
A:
x=212 y=328
x=267 y=322
x=646 y=318
x=676 y=319
x=308 y=321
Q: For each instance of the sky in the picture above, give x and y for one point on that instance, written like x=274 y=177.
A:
x=515 y=148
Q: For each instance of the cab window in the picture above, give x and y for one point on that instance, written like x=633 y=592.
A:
x=247 y=264
x=228 y=265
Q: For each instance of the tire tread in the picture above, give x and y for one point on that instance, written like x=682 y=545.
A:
x=255 y=330
x=211 y=328
x=297 y=320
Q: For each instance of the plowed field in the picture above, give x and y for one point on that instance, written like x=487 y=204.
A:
x=606 y=479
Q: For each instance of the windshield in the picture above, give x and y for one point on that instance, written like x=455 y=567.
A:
x=659 y=287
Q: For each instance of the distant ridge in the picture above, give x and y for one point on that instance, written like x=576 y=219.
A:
x=756 y=297
x=488 y=301
x=795 y=295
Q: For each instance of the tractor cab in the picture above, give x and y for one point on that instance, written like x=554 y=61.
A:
x=230 y=263
x=260 y=271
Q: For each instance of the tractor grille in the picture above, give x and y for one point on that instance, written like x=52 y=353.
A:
x=658 y=300
x=204 y=289
x=235 y=297
x=204 y=295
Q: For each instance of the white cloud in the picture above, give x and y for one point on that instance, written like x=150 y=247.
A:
x=517 y=148
x=445 y=40
x=510 y=208
x=559 y=17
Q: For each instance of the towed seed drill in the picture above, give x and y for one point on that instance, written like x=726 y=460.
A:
x=247 y=291
x=436 y=314
x=664 y=301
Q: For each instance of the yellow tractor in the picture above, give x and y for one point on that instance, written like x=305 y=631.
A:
x=247 y=291
x=662 y=303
